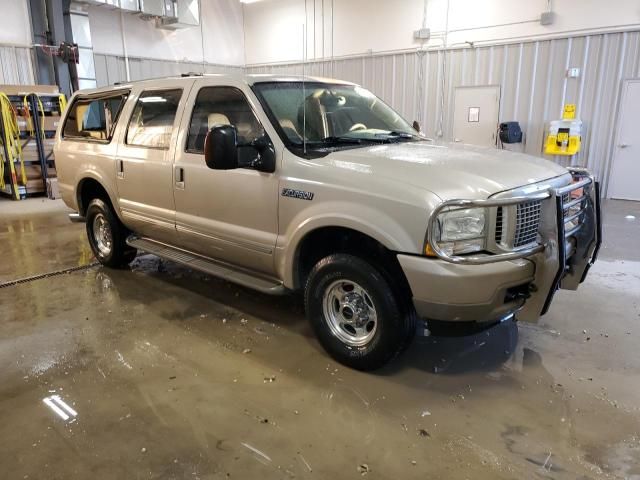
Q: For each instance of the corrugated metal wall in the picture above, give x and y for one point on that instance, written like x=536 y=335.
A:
x=111 y=69
x=16 y=65
x=532 y=77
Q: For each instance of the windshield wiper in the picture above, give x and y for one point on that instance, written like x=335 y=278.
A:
x=396 y=134
x=345 y=140
x=332 y=142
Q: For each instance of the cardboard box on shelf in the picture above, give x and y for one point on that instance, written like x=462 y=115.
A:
x=27 y=89
x=35 y=186
x=51 y=123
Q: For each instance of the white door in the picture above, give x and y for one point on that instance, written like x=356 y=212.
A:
x=475 y=115
x=626 y=152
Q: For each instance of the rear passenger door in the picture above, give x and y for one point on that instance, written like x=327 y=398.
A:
x=144 y=161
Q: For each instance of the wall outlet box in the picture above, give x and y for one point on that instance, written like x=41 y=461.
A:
x=573 y=72
x=422 y=34
x=547 y=18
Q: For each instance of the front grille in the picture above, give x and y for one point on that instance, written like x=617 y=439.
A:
x=499 y=225
x=527 y=223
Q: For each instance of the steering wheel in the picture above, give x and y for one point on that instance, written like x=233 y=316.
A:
x=358 y=126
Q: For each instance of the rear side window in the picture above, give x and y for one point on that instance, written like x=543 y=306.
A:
x=94 y=118
x=152 y=120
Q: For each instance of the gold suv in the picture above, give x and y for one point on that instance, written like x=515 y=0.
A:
x=290 y=184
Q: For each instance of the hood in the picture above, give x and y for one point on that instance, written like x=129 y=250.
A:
x=448 y=170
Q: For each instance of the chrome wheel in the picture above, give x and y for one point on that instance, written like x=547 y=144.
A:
x=102 y=235
x=350 y=313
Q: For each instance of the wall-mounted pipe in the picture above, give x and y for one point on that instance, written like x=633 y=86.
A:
x=440 y=130
x=424 y=14
x=124 y=47
x=332 y=53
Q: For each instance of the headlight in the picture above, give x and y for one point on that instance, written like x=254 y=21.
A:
x=460 y=231
x=461 y=224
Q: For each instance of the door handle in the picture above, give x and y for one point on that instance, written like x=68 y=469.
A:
x=120 y=163
x=624 y=145
x=179 y=178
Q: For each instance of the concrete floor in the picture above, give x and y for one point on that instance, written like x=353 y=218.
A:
x=177 y=375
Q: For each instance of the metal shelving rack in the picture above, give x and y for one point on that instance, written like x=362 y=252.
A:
x=35 y=140
x=8 y=184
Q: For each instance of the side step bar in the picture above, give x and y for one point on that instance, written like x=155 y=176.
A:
x=207 y=265
x=76 y=218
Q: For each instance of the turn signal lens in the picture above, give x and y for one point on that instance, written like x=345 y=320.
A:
x=428 y=251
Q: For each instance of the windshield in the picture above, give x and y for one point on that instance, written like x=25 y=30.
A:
x=330 y=115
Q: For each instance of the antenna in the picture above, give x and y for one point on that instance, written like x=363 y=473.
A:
x=304 y=92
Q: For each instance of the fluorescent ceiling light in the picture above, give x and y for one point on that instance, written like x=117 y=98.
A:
x=153 y=100
x=249 y=1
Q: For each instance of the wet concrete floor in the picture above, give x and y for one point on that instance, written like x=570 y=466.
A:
x=165 y=373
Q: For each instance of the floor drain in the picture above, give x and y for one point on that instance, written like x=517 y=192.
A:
x=11 y=283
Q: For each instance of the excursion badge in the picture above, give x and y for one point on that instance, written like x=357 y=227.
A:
x=299 y=194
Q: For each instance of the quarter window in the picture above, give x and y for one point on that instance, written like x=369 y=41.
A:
x=222 y=106
x=93 y=118
x=152 y=120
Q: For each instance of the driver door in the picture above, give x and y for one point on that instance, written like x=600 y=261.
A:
x=229 y=215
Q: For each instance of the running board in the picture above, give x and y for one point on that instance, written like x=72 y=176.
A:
x=207 y=265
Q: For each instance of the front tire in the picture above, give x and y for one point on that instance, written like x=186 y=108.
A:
x=354 y=312
x=107 y=235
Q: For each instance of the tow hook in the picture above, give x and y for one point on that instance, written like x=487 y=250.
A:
x=521 y=292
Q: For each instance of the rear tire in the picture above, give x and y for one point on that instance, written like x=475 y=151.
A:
x=355 y=314
x=107 y=235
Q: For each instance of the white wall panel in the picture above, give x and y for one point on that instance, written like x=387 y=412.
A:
x=16 y=26
x=273 y=28
x=220 y=38
x=111 y=68
x=16 y=66
x=531 y=75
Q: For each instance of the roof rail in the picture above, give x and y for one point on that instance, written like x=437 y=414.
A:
x=182 y=75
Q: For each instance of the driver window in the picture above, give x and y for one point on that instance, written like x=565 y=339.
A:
x=221 y=106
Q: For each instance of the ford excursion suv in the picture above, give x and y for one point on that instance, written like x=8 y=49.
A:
x=286 y=184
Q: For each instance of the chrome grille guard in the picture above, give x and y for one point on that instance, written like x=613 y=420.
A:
x=581 y=212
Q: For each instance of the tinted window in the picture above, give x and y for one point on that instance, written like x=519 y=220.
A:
x=93 y=118
x=152 y=120
x=222 y=106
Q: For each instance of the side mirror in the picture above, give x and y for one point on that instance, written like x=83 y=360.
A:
x=416 y=126
x=266 y=159
x=221 y=148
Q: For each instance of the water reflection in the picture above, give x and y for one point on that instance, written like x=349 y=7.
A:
x=484 y=351
x=60 y=407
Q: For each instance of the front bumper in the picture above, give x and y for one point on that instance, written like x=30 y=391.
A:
x=450 y=292
x=489 y=287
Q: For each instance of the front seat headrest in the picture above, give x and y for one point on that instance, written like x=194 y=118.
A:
x=217 y=119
